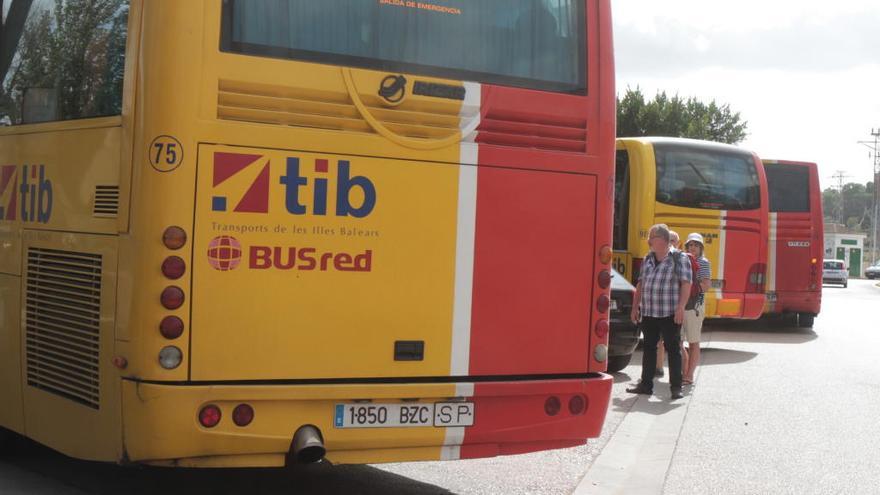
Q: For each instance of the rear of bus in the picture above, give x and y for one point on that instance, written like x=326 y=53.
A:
x=715 y=189
x=397 y=230
x=796 y=236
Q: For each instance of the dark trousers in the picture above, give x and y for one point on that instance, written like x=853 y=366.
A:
x=653 y=329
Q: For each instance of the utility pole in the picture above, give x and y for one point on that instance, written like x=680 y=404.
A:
x=839 y=176
x=875 y=154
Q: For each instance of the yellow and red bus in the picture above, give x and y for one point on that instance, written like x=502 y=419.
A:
x=715 y=189
x=240 y=233
x=796 y=237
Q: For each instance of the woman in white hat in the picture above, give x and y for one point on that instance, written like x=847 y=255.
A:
x=692 y=325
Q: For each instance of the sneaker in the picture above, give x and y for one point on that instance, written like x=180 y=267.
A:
x=640 y=389
x=658 y=373
x=676 y=394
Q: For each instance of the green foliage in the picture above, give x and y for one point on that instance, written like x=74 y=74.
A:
x=677 y=117
x=853 y=206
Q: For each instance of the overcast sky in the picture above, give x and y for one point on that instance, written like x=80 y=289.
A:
x=805 y=74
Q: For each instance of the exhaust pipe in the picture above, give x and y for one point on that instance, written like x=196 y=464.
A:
x=308 y=445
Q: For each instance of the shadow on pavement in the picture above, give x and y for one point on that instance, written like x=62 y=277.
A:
x=102 y=478
x=656 y=404
x=765 y=331
x=713 y=356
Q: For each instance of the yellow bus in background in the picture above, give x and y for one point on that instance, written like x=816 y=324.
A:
x=715 y=189
x=241 y=233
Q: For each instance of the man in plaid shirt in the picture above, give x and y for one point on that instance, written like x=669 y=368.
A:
x=661 y=295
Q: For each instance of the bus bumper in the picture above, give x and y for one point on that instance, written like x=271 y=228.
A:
x=162 y=427
x=745 y=306
x=797 y=302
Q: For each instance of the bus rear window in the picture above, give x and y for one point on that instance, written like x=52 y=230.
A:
x=695 y=177
x=788 y=187
x=538 y=44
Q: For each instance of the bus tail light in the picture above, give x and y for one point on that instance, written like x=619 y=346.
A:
x=600 y=353
x=242 y=415
x=605 y=255
x=209 y=416
x=173 y=267
x=170 y=357
x=552 y=406
x=171 y=327
x=756 y=278
x=603 y=303
x=601 y=329
x=577 y=405
x=174 y=238
x=172 y=297
x=604 y=279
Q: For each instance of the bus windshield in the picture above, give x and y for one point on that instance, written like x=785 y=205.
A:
x=524 y=43
x=704 y=178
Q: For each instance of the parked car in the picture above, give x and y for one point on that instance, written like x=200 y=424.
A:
x=623 y=335
x=834 y=272
x=873 y=271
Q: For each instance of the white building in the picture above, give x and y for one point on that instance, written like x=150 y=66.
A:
x=843 y=244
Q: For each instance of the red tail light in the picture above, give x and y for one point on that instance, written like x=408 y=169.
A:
x=171 y=327
x=604 y=279
x=209 y=416
x=172 y=297
x=242 y=415
x=602 y=303
x=577 y=405
x=173 y=267
x=552 y=406
x=601 y=329
x=605 y=255
x=174 y=238
x=756 y=278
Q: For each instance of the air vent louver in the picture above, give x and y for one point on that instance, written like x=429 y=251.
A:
x=106 y=201
x=63 y=314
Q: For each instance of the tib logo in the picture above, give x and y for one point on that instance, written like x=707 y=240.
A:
x=28 y=198
x=302 y=195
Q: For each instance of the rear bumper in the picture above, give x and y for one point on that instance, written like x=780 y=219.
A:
x=797 y=302
x=161 y=425
x=736 y=305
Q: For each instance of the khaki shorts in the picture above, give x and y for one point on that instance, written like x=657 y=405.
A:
x=692 y=325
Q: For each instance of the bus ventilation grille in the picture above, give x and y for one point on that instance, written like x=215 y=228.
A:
x=106 y=201
x=63 y=314
x=301 y=107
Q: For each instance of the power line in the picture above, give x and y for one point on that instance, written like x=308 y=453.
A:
x=875 y=154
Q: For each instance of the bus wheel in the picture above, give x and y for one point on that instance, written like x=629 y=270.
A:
x=617 y=363
x=805 y=320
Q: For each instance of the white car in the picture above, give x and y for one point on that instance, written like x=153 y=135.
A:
x=834 y=272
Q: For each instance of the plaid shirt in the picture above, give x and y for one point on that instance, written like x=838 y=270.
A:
x=660 y=289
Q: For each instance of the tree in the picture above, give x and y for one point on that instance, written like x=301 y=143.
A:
x=852 y=206
x=678 y=117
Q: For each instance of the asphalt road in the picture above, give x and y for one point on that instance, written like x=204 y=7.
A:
x=774 y=410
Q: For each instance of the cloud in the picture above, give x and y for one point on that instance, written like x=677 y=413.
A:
x=663 y=45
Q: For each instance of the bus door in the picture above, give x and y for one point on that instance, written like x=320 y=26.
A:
x=622 y=260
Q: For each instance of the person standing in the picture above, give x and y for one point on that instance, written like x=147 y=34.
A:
x=692 y=326
x=659 y=300
x=674 y=245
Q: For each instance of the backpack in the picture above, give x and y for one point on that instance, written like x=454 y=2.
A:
x=696 y=289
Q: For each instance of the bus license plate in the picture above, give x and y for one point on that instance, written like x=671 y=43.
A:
x=368 y=415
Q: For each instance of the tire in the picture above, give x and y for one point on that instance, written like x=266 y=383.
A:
x=6 y=438
x=844 y=285
x=617 y=363
x=805 y=320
